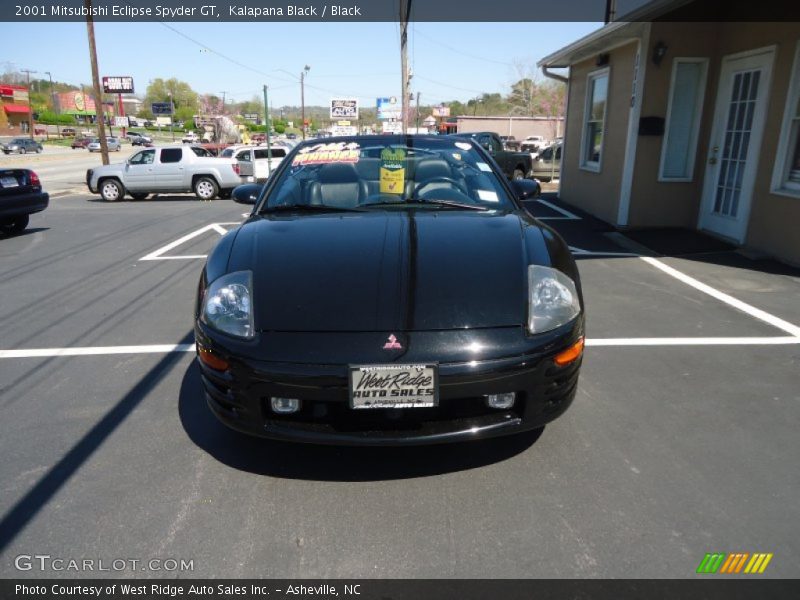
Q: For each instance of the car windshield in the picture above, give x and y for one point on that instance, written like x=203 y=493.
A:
x=388 y=173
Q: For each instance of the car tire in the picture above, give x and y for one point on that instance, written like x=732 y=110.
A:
x=205 y=188
x=111 y=190
x=518 y=174
x=38 y=151
x=140 y=196
x=15 y=226
x=23 y=151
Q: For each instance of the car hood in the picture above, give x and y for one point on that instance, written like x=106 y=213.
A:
x=386 y=270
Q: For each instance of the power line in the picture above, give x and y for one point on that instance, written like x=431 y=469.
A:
x=219 y=54
x=447 y=85
x=462 y=53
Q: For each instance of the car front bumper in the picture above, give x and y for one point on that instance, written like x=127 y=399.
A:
x=240 y=396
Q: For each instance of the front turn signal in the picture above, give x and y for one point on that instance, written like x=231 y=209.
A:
x=211 y=360
x=570 y=355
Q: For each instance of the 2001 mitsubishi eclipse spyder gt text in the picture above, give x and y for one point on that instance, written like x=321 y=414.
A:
x=389 y=290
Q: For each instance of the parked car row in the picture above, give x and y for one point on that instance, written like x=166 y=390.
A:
x=21 y=146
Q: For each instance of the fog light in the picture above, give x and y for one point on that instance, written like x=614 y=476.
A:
x=501 y=401
x=284 y=406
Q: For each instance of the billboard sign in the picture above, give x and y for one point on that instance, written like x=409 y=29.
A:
x=161 y=108
x=118 y=85
x=392 y=127
x=389 y=109
x=344 y=108
x=441 y=111
x=121 y=121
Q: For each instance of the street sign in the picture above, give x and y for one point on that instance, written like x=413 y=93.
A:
x=118 y=85
x=161 y=108
x=120 y=121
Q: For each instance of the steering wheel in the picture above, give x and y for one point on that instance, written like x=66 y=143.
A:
x=442 y=179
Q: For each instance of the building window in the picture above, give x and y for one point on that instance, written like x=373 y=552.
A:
x=786 y=177
x=595 y=119
x=684 y=109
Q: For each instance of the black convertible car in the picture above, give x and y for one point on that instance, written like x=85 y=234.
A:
x=389 y=290
x=21 y=195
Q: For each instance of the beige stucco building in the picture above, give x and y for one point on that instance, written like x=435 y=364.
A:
x=687 y=124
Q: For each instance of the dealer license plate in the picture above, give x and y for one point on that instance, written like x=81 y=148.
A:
x=394 y=386
x=8 y=182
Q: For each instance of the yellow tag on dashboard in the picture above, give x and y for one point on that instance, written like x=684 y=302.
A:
x=393 y=171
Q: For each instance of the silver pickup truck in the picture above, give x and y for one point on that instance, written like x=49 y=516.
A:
x=170 y=169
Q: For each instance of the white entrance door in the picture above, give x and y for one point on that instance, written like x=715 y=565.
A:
x=735 y=143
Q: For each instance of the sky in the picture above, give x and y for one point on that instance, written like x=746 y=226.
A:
x=449 y=61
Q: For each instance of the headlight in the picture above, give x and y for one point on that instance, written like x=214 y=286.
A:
x=228 y=306
x=552 y=299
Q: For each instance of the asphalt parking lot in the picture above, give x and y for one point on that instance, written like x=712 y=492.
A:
x=682 y=439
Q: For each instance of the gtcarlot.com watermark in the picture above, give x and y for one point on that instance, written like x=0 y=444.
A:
x=48 y=563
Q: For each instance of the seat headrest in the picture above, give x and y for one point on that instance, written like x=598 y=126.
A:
x=431 y=168
x=338 y=173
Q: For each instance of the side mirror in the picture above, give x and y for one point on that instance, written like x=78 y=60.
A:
x=526 y=189
x=247 y=193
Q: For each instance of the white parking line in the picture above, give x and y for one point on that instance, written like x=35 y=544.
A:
x=96 y=351
x=567 y=216
x=691 y=341
x=754 y=312
x=157 y=254
x=594 y=342
x=581 y=252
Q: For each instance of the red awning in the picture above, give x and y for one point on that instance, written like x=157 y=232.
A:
x=16 y=109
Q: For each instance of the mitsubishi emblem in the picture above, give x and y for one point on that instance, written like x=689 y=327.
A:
x=392 y=344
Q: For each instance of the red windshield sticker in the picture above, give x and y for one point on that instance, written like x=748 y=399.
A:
x=328 y=153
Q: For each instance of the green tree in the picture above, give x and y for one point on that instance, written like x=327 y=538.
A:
x=183 y=96
x=254 y=105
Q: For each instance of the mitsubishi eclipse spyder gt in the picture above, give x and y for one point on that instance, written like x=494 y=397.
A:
x=389 y=290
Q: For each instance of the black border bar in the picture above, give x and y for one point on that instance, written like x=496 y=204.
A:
x=351 y=11
x=708 y=588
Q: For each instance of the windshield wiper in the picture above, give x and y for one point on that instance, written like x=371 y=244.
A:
x=308 y=208
x=447 y=203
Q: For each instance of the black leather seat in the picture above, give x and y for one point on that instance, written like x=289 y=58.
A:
x=427 y=170
x=339 y=185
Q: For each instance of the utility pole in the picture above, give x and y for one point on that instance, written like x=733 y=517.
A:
x=223 y=101
x=269 y=143
x=405 y=10
x=171 y=115
x=55 y=104
x=417 y=119
x=98 y=97
x=30 y=110
x=305 y=70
